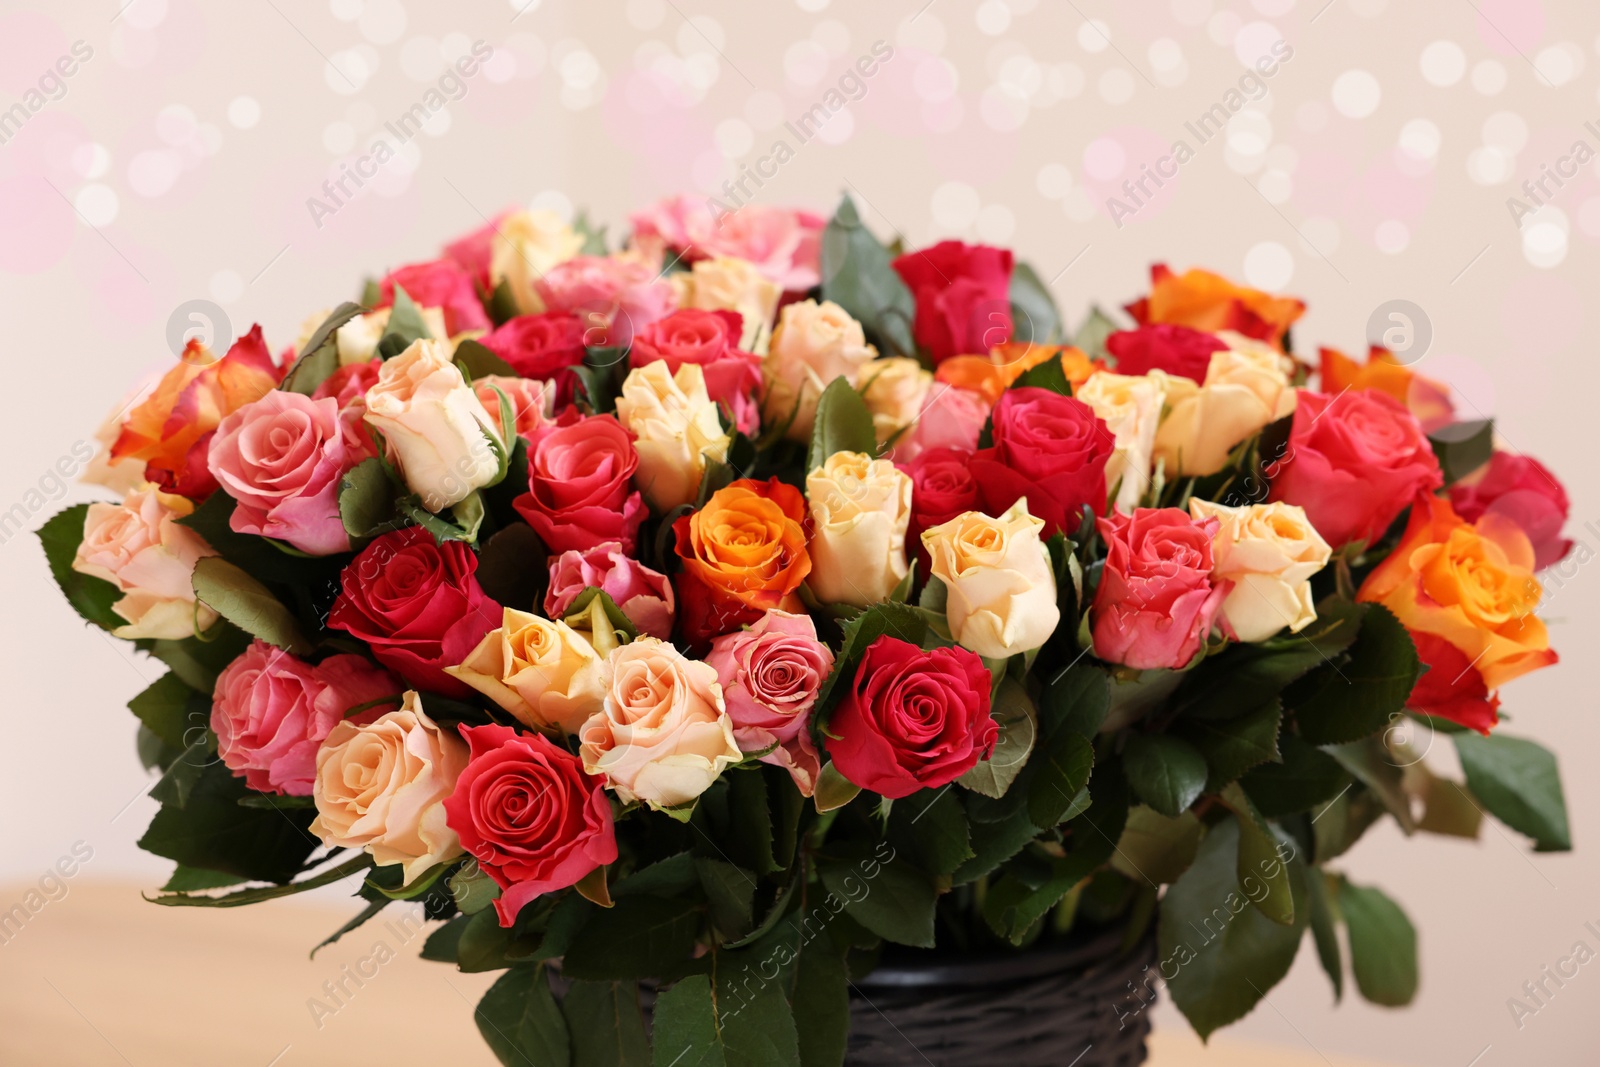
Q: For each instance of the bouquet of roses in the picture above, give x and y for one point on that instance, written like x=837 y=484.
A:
x=731 y=611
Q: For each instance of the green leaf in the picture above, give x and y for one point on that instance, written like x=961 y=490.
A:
x=1306 y=779
x=686 y=1033
x=1335 y=704
x=833 y=790
x=1325 y=927
x=1047 y=375
x=993 y=841
x=594 y=237
x=1019 y=726
x=1448 y=807
x=513 y=568
x=444 y=944
x=349 y=867
x=1157 y=847
x=319 y=358
x=198 y=661
x=892 y=899
x=247 y=604
x=171 y=710
x=1463 y=447
x=1383 y=946
x=215 y=832
x=843 y=424
x=472 y=889
x=193 y=879
x=1014 y=904
x=818 y=989
x=1233 y=746
x=1246 y=676
x=757 y=1027
x=519 y=1019
x=856 y=275
x=90 y=597
x=1261 y=856
x=1062 y=765
x=606 y=1025
x=640 y=937
x=1166 y=772
x=405 y=326
x=731 y=891
x=358 y=920
x=1520 y=783
x=179 y=779
x=1091 y=336
x=367 y=499
x=620 y=622
x=1033 y=310
x=477 y=361
x=931 y=827
x=1369 y=761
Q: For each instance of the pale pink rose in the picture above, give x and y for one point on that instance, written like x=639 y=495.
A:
x=644 y=595
x=348 y=387
x=270 y=712
x=784 y=244
x=281 y=458
x=950 y=418
x=615 y=296
x=139 y=547
x=531 y=400
x=770 y=675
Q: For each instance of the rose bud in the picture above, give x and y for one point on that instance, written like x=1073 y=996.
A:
x=580 y=489
x=860 y=509
x=676 y=431
x=813 y=344
x=1001 y=586
x=1156 y=602
x=542 y=672
x=139 y=547
x=1269 y=552
x=1245 y=389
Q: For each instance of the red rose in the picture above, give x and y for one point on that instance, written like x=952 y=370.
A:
x=579 y=490
x=1156 y=601
x=710 y=339
x=1178 y=350
x=1524 y=491
x=418 y=605
x=942 y=487
x=1355 y=461
x=524 y=808
x=440 y=283
x=1050 y=448
x=913 y=719
x=541 y=346
x=1452 y=687
x=963 y=297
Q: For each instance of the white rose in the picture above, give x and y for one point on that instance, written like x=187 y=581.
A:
x=860 y=510
x=677 y=430
x=1269 y=552
x=1131 y=408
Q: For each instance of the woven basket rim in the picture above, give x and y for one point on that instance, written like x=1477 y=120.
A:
x=905 y=970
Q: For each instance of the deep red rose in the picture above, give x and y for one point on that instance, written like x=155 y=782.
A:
x=418 y=604
x=1050 y=448
x=1354 y=463
x=913 y=719
x=1156 y=601
x=541 y=346
x=530 y=816
x=942 y=487
x=440 y=283
x=711 y=340
x=1452 y=687
x=579 y=489
x=1178 y=350
x=963 y=297
x=1524 y=491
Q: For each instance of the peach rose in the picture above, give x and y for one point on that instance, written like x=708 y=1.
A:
x=860 y=510
x=139 y=547
x=1205 y=301
x=813 y=344
x=676 y=431
x=357 y=340
x=1131 y=409
x=724 y=283
x=1000 y=585
x=1269 y=552
x=541 y=671
x=527 y=246
x=532 y=401
x=1246 y=387
x=895 y=390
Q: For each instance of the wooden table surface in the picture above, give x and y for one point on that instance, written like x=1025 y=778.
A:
x=99 y=978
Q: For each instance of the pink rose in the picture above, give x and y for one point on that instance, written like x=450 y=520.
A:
x=614 y=296
x=580 y=485
x=770 y=675
x=784 y=244
x=281 y=458
x=348 y=387
x=530 y=401
x=1156 y=602
x=139 y=547
x=271 y=711
x=709 y=339
x=644 y=595
x=950 y=418
x=440 y=283
x=1522 y=489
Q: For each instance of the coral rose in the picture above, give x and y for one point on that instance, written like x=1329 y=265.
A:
x=580 y=485
x=1156 y=601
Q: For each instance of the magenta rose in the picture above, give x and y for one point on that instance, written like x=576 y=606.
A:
x=644 y=595
x=1522 y=489
x=1050 y=448
x=579 y=485
x=281 y=458
x=1156 y=601
x=348 y=387
x=443 y=284
x=545 y=346
x=1355 y=461
x=912 y=718
x=711 y=340
x=942 y=487
x=271 y=711
x=1178 y=350
x=963 y=297
x=418 y=604
x=771 y=674
x=614 y=297
x=527 y=812
x=950 y=418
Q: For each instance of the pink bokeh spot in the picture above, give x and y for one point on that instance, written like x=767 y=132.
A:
x=1114 y=165
x=48 y=144
x=30 y=44
x=1511 y=26
x=1541 y=316
x=37 y=224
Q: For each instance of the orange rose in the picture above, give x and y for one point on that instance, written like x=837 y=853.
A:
x=1467 y=593
x=743 y=554
x=1205 y=301
x=993 y=374
x=1427 y=399
x=171 y=430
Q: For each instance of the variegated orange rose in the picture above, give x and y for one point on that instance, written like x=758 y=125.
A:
x=993 y=374
x=1427 y=399
x=1205 y=301
x=743 y=554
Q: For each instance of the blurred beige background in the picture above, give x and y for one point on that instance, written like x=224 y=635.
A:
x=176 y=161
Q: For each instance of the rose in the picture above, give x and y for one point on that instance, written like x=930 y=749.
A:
x=474 y=251
x=381 y=787
x=1522 y=489
x=357 y=340
x=950 y=418
x=530 y=401
x=644 y=595
x=1049 y=448
x=139 y=547
x=676 y=431
x=992 y=373
x=709 y=339
x=1469 y=586
x=170 y=430
x=771 y=674
x=860 y=510
x=1177 y=350
x=896 y=389
x=813 y=344
x=348 y=387
x=726 y=283
x=1205 y=301
x=1427 y=399
x=912 y=719
x=270 y=712
x=782 y=243
x=434 y=425
x=942 y=487
x=1269 y=552
x=541 y=346
x=1245 y=389
x=1354 y=462
x=528 y=246
x=664 y=735
x=439 y=283
x=1131 y=409
x=542 y=672
x=962 y=294
x=527 y=812
x=417 y=603
x=1157 y=601
x=743 y=554
x=615 y=296
x=999 y=581
x=281 y=459
x=578 y=485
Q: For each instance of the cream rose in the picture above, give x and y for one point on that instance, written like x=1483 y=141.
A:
x=1131 y=408
x=438 y=432
x=1269 y=552
x=725 y=283
x=895 y=390
x=676 y=428
x=139 y=547
x=526 y=245
x=357 y=340
x=813 y=344
x=1000 y=585
x=543 y=672
x=860 y=510
x=381 y=787
x=664 y=734
x=1246 y=387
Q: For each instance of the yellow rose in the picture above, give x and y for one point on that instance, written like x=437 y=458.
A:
x=437 y=429
x=1000 y=585
x=1131 y=408
x=357 y=340
x=860 y=510
x=813 y=344
x=895 y=389
x=526 y=245
x=543 y=672
x=139 y=547
x=725 y=283
x=1246 y=387
x=676 y=428
x=1269 y=552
